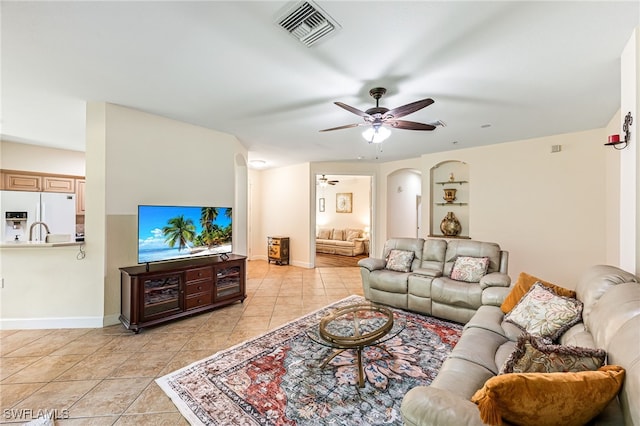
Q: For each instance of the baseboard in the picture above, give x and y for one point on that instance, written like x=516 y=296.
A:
x=48 y=323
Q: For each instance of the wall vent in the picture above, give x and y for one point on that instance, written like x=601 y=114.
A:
x=308 y=23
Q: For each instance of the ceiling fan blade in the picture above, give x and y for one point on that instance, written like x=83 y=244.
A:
x=407 y=109
x=408 y=125
x=356 y=111
x=346 y=126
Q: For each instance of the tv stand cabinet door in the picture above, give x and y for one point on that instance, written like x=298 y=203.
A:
x=229 y=281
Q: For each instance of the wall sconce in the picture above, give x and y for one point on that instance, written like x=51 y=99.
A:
x=614 y=140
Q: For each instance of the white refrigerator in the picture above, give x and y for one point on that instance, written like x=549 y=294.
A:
x=56 y=210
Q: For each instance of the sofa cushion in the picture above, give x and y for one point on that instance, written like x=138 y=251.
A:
x=548 y=398
x=456 y=294
x=523 y=284
x=469 y=269
x=399 y=260
x=532 y=355
x=351 y=234
x=337 y=234
x=324 y=234
x=543 y=313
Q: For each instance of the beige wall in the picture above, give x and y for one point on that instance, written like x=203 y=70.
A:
x=359 y=218
x=19 y=156
x=280 y=204
x=547 y=209
x=155 y=160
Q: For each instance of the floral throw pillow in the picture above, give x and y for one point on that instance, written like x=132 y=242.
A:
x=400 y=260
x=541 y=312
x=532 y=355
x=469 y=269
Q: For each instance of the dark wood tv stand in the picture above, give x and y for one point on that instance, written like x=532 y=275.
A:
x=159 y=292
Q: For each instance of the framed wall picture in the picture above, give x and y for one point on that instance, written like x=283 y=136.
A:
x=321 y=204
x=343 y=202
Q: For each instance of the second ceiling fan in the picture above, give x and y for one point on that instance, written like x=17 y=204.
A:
x=379 y=117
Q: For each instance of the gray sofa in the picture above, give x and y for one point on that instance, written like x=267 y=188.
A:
x=610 y=321
x=428 y=288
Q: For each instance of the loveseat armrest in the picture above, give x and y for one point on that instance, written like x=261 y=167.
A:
x=372 y=264
x=428 y=272
x=426 y=405
x=495 y=279
x=494 y=296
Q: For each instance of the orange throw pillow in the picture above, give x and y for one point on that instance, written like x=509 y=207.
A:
x=522 y=286
x=547 y=399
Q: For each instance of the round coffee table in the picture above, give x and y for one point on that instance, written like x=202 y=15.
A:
x=355 y=327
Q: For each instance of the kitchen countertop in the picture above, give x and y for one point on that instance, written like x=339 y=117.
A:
x=38 y=244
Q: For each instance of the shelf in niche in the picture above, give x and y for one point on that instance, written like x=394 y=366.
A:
x=459 y=182
x=452 y=204
x=457 y=237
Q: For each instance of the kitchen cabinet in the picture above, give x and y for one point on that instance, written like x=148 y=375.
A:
x=153 y=294
x=14 y=181
x=80 y=185
x=17 y=180
x=58 y=184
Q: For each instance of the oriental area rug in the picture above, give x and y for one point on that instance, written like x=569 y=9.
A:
x=276 y=378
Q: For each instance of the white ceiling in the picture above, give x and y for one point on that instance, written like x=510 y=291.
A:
x=528 y=69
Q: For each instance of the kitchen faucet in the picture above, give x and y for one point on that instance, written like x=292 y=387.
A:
x=46 y=228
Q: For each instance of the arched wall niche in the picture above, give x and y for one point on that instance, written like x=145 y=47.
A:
x=404 y=198
x=449 y=175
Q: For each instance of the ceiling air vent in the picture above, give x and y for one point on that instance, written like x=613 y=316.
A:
x=308 y=23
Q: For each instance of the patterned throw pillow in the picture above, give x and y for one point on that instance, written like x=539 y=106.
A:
x=469 y=269
x=532 y=355
x=543 y=313
x=399 y=260
x=352 y=234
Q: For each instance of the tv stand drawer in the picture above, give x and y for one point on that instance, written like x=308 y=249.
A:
x=199 y=287
x=199 y=274
x=198 y=300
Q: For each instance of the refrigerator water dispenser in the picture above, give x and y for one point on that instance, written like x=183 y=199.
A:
x=16 y=224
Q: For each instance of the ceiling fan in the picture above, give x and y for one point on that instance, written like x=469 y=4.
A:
x=379 y=117
x=323 y=181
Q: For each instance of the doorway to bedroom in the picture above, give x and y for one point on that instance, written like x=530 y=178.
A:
x=343 y=219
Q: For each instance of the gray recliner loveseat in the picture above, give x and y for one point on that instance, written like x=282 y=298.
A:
x=428 y=287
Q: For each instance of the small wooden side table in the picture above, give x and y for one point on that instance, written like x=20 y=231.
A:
x=278 y=250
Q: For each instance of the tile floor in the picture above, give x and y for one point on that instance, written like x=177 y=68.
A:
x=106 y=376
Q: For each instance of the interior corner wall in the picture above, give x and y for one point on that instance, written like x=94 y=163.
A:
x=547 y=209
x=280 y=206
x=155 y=160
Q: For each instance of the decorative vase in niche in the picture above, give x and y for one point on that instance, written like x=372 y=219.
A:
x=450 y=225
x=449 y=194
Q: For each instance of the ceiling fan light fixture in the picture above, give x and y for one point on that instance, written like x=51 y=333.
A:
x=376 y=134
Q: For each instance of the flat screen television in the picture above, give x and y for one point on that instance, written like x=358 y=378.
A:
x=177 y=232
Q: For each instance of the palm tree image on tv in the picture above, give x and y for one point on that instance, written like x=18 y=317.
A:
x=179 y=231
x=167 y=232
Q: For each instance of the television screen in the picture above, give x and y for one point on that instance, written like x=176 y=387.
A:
x=175 y=232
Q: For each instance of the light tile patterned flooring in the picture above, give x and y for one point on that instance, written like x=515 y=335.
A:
x=106 y=376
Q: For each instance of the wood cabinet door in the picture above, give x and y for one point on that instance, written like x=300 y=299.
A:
x=58 y=184
x=80 y=185
x=22 y=182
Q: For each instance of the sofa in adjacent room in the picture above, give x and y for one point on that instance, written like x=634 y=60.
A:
x=513 y=375
x=446 y=279
x=343 y=241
